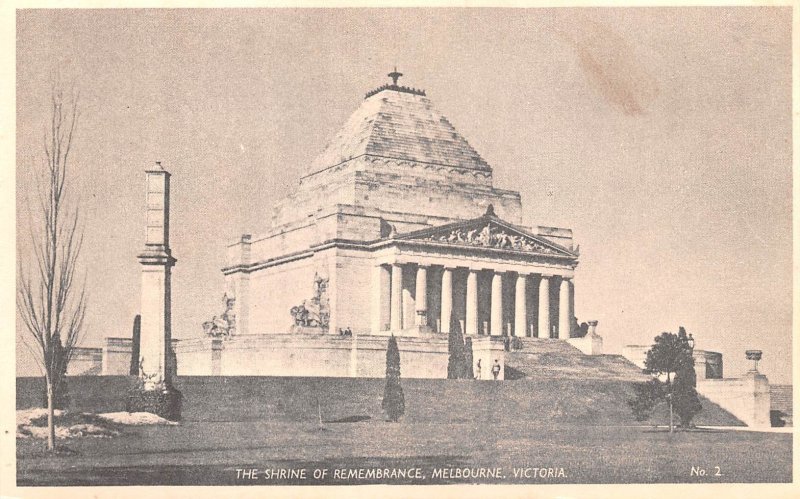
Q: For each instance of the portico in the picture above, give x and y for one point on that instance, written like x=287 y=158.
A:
x=494 y=280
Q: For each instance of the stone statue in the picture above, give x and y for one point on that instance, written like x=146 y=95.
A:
x=316 y=311
x=492 y=236
x=225 y=325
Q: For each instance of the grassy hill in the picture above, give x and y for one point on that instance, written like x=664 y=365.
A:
x=541 y=401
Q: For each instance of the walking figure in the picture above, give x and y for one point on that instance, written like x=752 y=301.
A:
x=496 y=369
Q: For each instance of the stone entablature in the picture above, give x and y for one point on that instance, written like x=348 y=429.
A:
x=350 y=225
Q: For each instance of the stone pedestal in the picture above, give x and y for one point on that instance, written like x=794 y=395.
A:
x=588 y=345
x=747 y=398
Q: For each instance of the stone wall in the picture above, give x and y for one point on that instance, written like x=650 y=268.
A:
x=273 y=292
x=747 y=398
x=325 y=355
x=117 y=356
x=85 y=362
x=707 y=364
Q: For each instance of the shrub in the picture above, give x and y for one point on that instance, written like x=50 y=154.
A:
x=162 y=400
x=393 y=399
x=135 y=341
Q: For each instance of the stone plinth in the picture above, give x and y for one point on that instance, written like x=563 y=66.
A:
x=591 y=344
x=747 y=398
x=487 y=350
x=362 y=356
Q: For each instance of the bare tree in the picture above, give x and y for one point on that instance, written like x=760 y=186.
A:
x=50 y=301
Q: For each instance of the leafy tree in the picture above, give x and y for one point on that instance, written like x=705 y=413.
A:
x=50 y=299
x=648 y=395
x=670 y=356
x=685 y=399
x=393 y=399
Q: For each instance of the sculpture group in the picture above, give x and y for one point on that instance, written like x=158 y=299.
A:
x=314 y=312
x=222 y=326
x=491 y=237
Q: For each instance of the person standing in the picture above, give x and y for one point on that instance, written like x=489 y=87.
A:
x=496 y=369
x=478 y=370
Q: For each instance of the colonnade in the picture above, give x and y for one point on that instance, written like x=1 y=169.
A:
x=401 y=299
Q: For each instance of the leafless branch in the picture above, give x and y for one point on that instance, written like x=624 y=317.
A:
x=51 y=304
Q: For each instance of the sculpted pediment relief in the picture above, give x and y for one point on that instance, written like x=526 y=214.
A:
x=488 y=234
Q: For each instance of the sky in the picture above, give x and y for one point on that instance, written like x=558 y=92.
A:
x=661 y=136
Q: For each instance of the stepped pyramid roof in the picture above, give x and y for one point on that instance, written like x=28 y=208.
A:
x=401 y=123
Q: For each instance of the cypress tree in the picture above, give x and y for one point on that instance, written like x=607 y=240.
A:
x=393 y=399
x=135 y=339
x=455 y=357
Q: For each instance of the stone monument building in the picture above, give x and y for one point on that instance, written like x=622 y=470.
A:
x=400 y=221
x=395 y=228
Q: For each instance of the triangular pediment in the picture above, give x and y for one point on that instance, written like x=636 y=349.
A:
x=488 y=232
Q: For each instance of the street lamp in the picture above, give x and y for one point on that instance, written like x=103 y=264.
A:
x=691 y=342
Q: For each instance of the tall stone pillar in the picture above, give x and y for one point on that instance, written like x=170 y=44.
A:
x=544 y=307
x=520 y=306
x=409 y=307
x=155 y=352
x=472 y=303
x=497 y=305
x=564 y=309
x=396 y=309
x=421 y=296
x=381 y=279
x=447 y=300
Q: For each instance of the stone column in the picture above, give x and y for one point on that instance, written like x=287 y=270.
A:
x=421 y=296
x=544 y=307
x=447 y=299
x=155 y=353
x=497 y=305
x=520 y=306
x=564 y=309
x=381 y=279
x=472 y=303
x=409 y=312
x=396 y=308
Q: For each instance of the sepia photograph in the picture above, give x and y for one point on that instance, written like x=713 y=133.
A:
x=345 y=247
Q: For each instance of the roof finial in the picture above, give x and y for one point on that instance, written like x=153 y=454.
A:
x=394 y=75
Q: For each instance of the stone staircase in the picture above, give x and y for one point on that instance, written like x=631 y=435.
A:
x=781 y=402
x=548 y=358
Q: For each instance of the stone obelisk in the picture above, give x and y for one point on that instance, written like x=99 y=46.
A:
x=156 y=356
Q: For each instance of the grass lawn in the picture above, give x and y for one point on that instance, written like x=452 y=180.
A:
x=476 y=425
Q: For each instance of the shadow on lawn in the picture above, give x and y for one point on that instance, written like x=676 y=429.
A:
x=350 y=419
x=227 y=475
